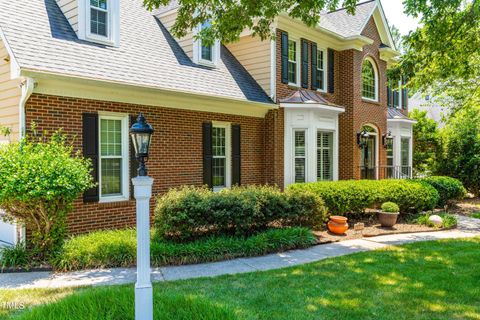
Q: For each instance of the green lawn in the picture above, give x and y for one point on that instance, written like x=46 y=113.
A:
x=428 y=280
x=476 y=215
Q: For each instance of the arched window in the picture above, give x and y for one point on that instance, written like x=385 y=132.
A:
x=369 y=80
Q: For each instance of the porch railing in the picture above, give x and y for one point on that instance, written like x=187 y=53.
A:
x=385 y=172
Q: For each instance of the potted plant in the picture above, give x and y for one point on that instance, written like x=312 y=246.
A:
x=389 y=214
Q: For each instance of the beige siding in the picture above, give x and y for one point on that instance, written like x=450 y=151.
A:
x=254 y=54
x=9 y=97
x=70 y=10
x=186 y=42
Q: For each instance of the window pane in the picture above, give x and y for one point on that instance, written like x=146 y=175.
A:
x=300 y=170
x=324 y=155
x=219 y=172
x=218 y=142
x=368 y=80
x=292 y=61
x=98 y=22
x=207 y=53
x=405 y=151
x=299 y=143
x=110 y=137
x=292 y=50
x=111 y=177
x=102 y=4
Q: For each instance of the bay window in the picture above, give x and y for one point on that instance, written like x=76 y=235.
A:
x=324 y=156
x=300 y=155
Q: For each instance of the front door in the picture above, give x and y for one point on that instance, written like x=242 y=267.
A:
x=368 y=159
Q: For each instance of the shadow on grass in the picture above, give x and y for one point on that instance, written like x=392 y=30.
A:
x=429 y=280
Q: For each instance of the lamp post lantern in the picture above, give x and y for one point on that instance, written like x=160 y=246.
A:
x=141 y=133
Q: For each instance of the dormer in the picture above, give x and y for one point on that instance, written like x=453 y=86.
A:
x=94 y=20
x=205 y=54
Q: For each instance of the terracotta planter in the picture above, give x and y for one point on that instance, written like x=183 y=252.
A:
x=387 y=219
x=337 y=224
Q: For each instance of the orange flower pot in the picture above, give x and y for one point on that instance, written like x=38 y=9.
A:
x=338 y=224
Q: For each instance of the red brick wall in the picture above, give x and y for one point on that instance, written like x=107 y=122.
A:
x=348 y=93
x=176 y=156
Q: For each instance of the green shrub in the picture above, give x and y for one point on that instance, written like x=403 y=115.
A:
x=449 y=221
x=40 y=178
x=349 y=197
x=390 y=207
x=191 y=212
x=117 y=248
x=447 y=187
x=476 y=215
x=15 y=257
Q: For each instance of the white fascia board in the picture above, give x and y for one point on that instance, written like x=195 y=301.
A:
x=399 y=120
x=308 y=105
x=97 y=89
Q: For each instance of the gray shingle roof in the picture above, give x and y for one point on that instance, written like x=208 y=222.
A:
x=345 y=24
x=41 y=39
x=339 y=21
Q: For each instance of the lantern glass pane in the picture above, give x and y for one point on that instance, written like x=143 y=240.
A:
x=143 y=143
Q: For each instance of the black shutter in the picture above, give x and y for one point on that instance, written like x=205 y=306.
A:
x=90 y=151
x=236 y=155
x=304 y=63
x=207 y=155
x=314 y=66
x=284 y=44
x=133 y=159
x=331 y=70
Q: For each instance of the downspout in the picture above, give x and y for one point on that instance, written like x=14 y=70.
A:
x=27 y=86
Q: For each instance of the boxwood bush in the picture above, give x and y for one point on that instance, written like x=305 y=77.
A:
x=191 y=212
x=448 y=188
x=350 y=197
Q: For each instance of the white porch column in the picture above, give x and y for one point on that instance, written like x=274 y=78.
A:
x=143 y=286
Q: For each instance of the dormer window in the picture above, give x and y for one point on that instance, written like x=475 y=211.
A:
x=99 y=21
x=205 y=54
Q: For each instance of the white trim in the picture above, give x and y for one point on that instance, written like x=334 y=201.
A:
x=293 y=157
x=228 y=153
x=98 y=89
x=297 y=61
x=27 y=86
x=400 y=120
x=113 y=23
x=124 y=156
x=307 y=105
x=273 y=69
x=375 y=71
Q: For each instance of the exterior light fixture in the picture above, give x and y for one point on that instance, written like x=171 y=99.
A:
x=141 y=133
x=387 y=139
x=362 y=138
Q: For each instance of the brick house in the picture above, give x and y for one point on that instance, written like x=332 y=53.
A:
x=311 y=104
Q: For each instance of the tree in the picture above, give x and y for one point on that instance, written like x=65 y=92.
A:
x=461 y=153
x=426 y=137
x=40 y=179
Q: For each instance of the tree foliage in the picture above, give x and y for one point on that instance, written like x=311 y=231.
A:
x=427 y=143
x=461 y=153
x=40 y=179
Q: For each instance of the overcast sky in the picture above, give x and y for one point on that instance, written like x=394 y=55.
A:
x=394 y=12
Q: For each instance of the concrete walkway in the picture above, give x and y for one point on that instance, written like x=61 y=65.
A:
x=468 y=227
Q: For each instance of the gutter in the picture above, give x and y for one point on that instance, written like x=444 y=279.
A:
x=27 y=86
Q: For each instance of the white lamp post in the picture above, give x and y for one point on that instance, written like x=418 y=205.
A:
x=141 y=133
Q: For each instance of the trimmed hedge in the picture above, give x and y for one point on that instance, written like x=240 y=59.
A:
x=192 y=212
x=117 y=248
x=448 y=188
x=354 y=196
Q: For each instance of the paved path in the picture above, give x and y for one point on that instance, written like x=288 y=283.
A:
x=468 y=227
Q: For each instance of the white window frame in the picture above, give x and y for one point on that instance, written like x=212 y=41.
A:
x=375 y=72
x=113 y=23
x=332 y=147
x=297 y=62
x=294 y=156
x=197 y=50
x=228 y=154
x=325 y=64
x=125 y=157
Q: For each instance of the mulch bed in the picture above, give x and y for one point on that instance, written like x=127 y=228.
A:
x=372 y=228
x=465 y=207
